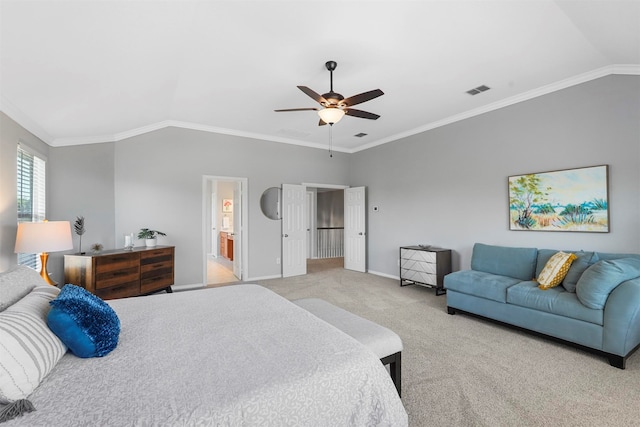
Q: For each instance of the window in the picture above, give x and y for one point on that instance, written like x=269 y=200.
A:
x=31 y=195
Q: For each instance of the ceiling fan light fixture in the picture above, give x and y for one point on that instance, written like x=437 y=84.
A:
x=331 y=115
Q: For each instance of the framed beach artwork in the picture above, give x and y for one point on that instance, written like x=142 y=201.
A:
x=564 y=200
x=227 y=205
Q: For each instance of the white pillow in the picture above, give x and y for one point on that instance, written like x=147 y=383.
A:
x=28 y=348
x=16 y=283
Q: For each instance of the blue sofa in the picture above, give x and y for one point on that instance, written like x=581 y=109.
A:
x=597 y=306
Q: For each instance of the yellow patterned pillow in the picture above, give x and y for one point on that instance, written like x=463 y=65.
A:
x=555 y=269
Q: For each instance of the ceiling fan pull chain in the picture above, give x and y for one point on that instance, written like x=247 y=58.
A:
x=330 y=139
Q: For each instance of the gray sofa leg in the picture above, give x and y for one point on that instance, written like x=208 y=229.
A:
x=617 y=361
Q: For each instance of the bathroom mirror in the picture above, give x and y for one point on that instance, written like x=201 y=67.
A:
x=270 y=203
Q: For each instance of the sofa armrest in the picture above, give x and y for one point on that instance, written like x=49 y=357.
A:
x=622 y=319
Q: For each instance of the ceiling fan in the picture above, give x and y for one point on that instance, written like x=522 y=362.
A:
x=335 y=106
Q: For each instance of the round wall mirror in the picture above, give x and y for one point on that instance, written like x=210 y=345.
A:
x=270 y=203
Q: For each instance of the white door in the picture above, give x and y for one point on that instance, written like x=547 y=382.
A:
x=215 y=241
x=310 y=224
x=355 y=239
x=294 y=233
x=237 y=229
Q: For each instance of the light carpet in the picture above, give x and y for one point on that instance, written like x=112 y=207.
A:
x=463 y=371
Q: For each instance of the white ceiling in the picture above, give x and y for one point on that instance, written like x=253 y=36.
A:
x=75 y=72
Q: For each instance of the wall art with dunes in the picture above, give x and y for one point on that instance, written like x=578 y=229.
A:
x=563 y=200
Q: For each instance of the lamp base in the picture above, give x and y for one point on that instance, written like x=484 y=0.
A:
x=44 y=257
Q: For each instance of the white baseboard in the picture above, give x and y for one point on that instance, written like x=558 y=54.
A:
x=252 y=279
x=390 y=276
x=179 y=288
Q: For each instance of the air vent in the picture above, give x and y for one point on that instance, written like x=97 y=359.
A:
x=360 y=135
x=478 y=90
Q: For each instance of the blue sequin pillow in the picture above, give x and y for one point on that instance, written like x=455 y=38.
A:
x=85 y=323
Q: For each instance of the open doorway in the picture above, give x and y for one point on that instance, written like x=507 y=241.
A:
x=298 y=229
x=224 y=230
x=325 y=229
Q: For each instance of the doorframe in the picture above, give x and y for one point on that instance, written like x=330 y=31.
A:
x=244 y=226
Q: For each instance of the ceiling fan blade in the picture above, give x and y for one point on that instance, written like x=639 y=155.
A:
x=321 y=123
x=363 y=97
x=361 y=114
x=315 y=96
x=297 y=109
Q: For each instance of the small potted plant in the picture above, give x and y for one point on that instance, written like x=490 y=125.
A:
x=149 y=236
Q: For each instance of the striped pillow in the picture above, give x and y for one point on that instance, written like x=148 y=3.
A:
x=28 y=348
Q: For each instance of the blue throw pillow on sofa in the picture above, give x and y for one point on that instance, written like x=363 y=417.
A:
x=85 y=323
x=599 y=280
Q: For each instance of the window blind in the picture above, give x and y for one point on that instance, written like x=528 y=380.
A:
x=31 y=196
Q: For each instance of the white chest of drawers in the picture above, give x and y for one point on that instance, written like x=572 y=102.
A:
x=424 y=266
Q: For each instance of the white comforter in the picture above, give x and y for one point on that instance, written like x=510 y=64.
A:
x=232 y=356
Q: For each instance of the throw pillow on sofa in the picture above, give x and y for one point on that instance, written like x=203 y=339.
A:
x=555 y=270
x=579 y=266
x=599 y=280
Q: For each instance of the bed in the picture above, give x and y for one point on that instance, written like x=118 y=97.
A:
x=235 y=355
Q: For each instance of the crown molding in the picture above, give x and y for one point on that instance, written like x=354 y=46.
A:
x=60 y=142
x=23 y=120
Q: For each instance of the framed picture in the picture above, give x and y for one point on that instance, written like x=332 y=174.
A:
x=227 y=205
x=564 y=200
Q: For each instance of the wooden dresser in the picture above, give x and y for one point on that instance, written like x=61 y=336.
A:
x=121 y=273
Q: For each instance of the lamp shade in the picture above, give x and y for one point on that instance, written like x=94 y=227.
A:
x=331 y=115
x=48 y=236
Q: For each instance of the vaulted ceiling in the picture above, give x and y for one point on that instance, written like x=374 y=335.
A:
x=75 y=72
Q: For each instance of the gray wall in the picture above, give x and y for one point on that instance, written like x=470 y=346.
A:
x=330 y=208
x=81 y=183
x=448 y=186
x=158 y=184
x=10 y=134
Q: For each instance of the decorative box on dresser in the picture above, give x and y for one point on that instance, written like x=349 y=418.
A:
x=425 y=265
x=122 y=273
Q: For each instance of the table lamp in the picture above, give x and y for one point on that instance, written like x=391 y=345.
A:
x=43 y=237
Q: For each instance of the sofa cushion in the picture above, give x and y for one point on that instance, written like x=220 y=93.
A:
x=608 y=256
x=584 y=260
x=505 y=261
x=554 y=300
x=480 y=284
x=555 y=270
x=597 y=282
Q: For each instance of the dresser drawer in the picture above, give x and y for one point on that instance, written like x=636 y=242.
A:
x=116 y=262
x=414 y=255
x=419 y=276
x=156 y=282
x=124 y=290
x=419 y=266
x=112 y=278
x=156 y=255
